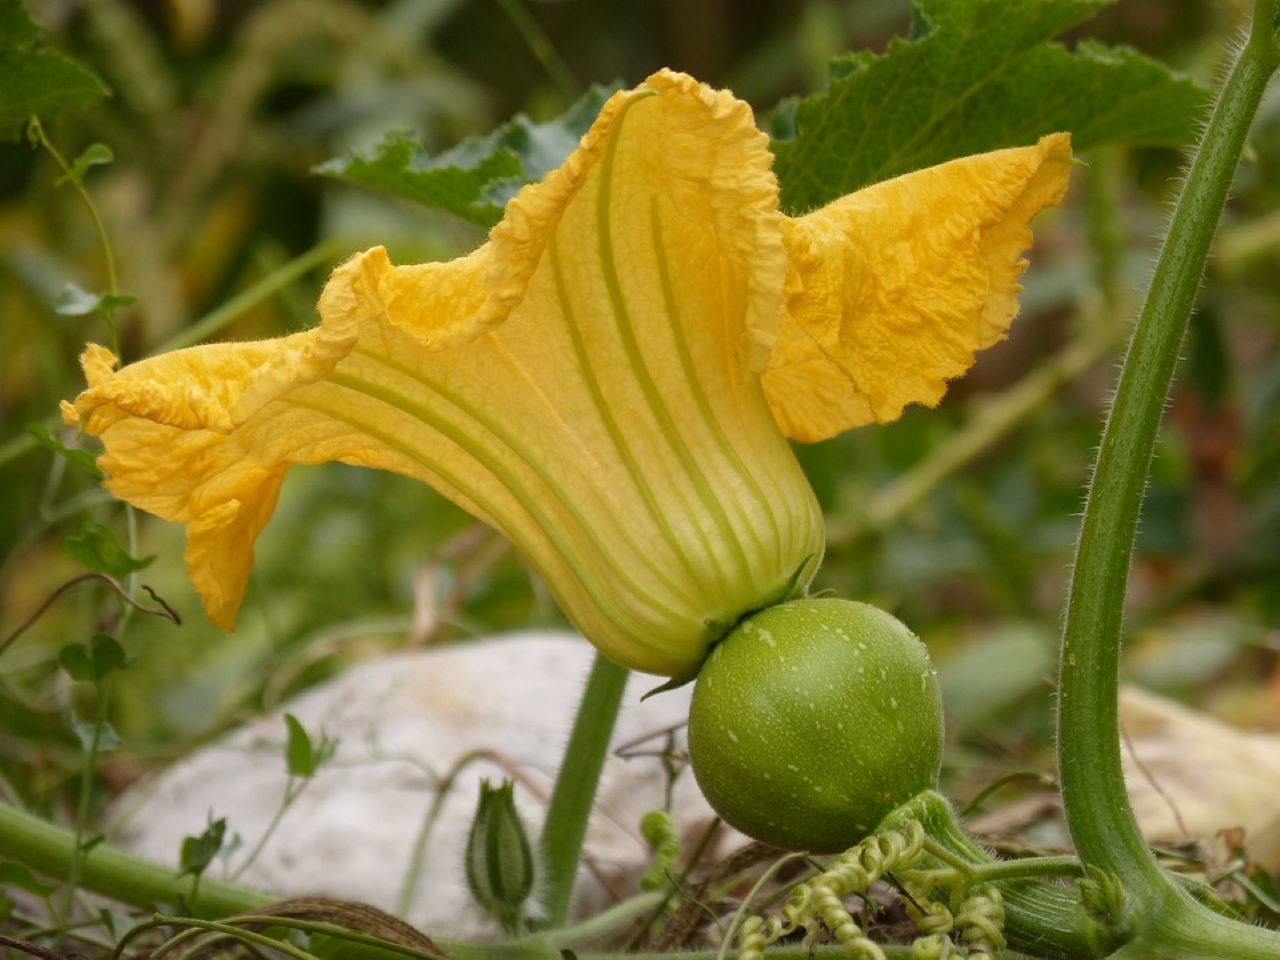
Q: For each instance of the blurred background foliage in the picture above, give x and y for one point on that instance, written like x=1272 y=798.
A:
x=960 y=520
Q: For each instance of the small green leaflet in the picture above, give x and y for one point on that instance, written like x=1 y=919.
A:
x=92 y=663
x=978 y=75
x=108 y=739
x=302 y=756
x=198 y=852
x=35 y=80
x=83 y=459
x=475 y=179
x=94 y=155
x=98 y=549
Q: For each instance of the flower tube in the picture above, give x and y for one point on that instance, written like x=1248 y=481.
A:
x=611 y=379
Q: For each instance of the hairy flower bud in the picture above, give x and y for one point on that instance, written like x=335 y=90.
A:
x=499 y=859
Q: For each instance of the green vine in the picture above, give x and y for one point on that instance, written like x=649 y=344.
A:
x=575 y=790
x=1101 y=820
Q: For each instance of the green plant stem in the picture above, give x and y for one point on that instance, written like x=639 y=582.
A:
x=236 y=933
x=677 y=884
x=113 y=286
x=1042 y=918
x=575 y=790
x=601 y=925
x=1161 y=918
x=50 y=849
x=1021 y=869
x=88 y=768
x=541 y=47
x=269 y=920
x=276 y=280
x=740 y=915
x=418 y=852
x=1101 y=820
x=293 y=787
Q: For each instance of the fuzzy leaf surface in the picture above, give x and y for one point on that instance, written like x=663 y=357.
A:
x=977 y=75
x=36 y=80
x=475 y=179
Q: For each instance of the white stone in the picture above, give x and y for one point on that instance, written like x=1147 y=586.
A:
x=401 y=724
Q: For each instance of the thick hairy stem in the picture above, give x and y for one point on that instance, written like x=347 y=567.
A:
x=1159 y=918
x=576 y=782
x=1101 y=820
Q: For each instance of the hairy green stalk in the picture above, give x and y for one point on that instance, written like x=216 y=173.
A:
x=1163 y=919
x=50 y=849
x=575 y=790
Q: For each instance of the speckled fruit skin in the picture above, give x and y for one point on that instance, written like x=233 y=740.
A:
x=814 y=719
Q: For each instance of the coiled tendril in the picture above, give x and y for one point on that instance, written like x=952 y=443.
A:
x=975 y=913
x=660 y=833
x=819 y=902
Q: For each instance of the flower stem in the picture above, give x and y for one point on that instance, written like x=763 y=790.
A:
x=1098 y=813
x=575 y=789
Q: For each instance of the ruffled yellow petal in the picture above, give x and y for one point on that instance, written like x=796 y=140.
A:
x=204 y=436
x=583 y=382
x=894 y=287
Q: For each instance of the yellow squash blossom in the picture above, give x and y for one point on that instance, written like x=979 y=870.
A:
x=611 y=378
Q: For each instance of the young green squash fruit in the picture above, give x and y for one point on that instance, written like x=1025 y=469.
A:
x=812 y=720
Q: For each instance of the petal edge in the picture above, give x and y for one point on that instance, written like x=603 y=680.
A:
x=894 y=287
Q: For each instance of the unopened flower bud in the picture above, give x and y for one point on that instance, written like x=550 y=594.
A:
x=499 y=859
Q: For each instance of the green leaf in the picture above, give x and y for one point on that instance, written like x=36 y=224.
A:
x=198 y=852
x=17 y=30
x=977 y=75
x=34 y=80
x=91 y=663
x=97 y=549
x=75 y=456
x=107 y=654
x=75 y=660
x=21 y=876
x=298 y=753
x=96 y=154
x=108 y=739
x=475 y=179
